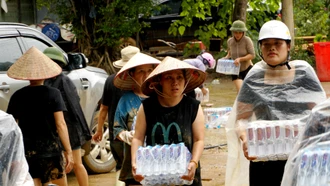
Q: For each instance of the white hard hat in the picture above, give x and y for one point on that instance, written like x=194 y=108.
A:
x=274 y=29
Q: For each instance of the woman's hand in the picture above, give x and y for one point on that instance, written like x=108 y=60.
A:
x=69 y=161
x=237 y=61
x=97 y=137
x=246 y=151
x=137 y=177
x=191 y=172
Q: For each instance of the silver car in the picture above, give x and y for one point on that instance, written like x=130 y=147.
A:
x=17 y=38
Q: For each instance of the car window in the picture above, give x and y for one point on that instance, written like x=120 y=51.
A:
x=30 y=42
x=169 y=7
x=9 y=52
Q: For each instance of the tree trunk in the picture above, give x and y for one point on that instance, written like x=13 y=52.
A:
x=239 y=12
x=287 y=17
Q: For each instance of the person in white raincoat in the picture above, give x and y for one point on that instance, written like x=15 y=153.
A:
x=13 y=166
x=275 y=89
x=308 y=163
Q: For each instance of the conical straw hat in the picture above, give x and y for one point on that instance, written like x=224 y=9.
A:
x=34 y=65
x=194 y=76
x=123 y=80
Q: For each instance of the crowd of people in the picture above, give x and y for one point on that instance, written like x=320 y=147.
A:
x=148 y=96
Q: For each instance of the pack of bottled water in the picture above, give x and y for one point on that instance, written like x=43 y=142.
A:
x=227 y=66
x=314 y=165
x=163 y=164
x=272 y=140
x=216 y=117
x=200 y=96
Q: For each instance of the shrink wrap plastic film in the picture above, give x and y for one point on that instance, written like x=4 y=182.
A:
x=268 y=95
x=227 y=66
x=216 y=117
x=272 y=140
x=163 y=165
x=14 y=169
x=309 y=161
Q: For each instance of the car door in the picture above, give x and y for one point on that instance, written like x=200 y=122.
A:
x=10 y=51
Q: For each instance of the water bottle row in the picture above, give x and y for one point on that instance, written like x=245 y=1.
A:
x=169 y=179
x=200 y=96
x=272 y=140
x=216 y=117
x=227 y=66
x=314 y=167
x=162 y=160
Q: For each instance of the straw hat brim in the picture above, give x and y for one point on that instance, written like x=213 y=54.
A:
x=123 y=80
x=194 y=76
x=119 y=63
x=34 y=65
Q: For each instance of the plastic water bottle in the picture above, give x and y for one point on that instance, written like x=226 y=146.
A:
x=252 y=141
x=288 y=137
x=148 y=167
x=279 y=139
x=156 y=156
x=261 y=143
x=140 y=161
x=214 y=121
x=302 y=171
x=324 y=167
x=170 y=158
x=270 y=133
x=163 y=161
x=313 y=169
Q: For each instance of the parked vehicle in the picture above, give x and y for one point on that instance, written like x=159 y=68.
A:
x=15 y=39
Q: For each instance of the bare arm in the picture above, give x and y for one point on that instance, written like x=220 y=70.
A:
x=198 y=129
x=62 y=131
x=244 y=58
x=241 y=122
x=138 y=139
x=100 y=123
x=228 y=56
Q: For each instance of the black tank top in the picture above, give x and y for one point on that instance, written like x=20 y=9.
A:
x=183 y=114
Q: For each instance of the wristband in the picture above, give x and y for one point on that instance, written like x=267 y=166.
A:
x=193 y=161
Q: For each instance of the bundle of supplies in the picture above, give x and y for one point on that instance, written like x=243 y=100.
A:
x=272 y=140
x=163 y=165
x=227 y=66
x=216 y=117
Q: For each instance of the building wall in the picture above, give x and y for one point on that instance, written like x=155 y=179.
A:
x=19 y=11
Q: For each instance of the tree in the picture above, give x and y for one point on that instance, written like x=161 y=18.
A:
x=239 y=12
x=287 y=17
x=220 y=11
x=100 y=25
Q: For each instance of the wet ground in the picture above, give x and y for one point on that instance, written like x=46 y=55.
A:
x=213 y=160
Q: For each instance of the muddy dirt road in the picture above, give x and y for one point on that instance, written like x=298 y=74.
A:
x=213 y=161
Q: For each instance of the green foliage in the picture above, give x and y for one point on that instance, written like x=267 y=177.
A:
x=319 y=38
x=303 y=54
x=221 y=11
x=99 y=25
x=201 y=11
x=191 y=50
x=312 y=17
